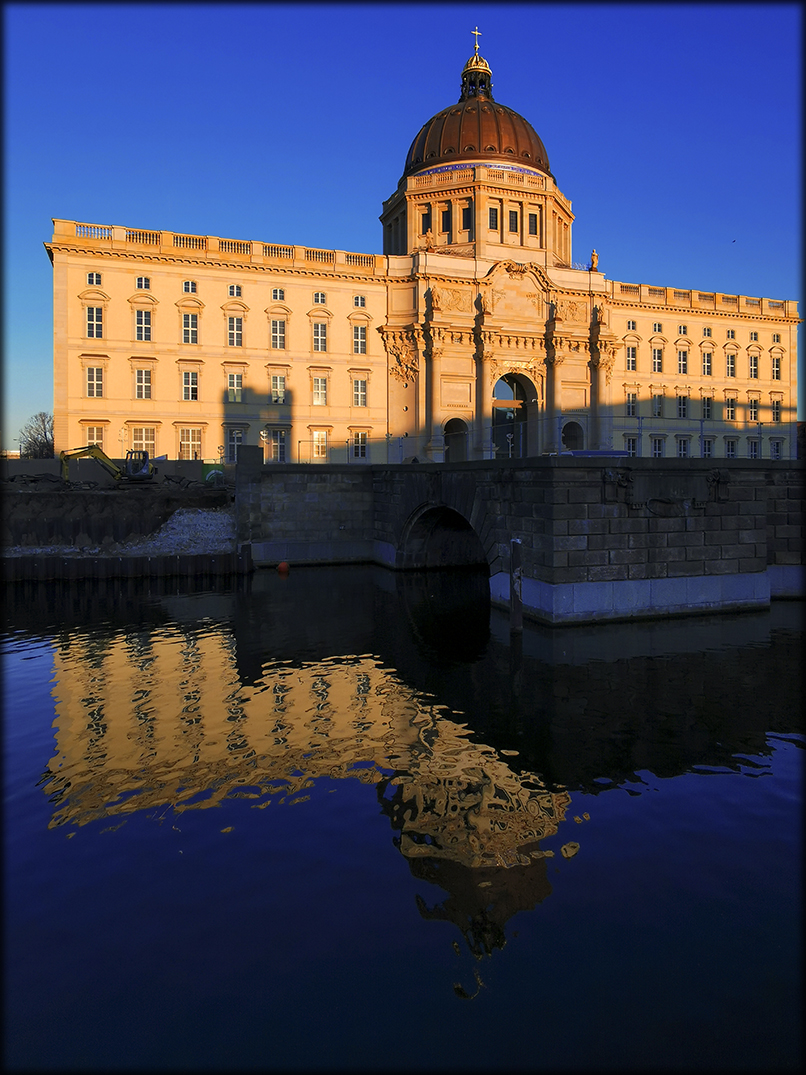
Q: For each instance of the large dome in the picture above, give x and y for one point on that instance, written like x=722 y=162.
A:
x=476 y=129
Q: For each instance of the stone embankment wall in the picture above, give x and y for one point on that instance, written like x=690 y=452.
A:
x=304 y=513
x=39 y=516
x=599 y=539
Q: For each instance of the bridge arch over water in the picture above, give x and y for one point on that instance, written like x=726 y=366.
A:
x=439 y=536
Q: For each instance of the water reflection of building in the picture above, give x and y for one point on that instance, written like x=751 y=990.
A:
x=153 y=718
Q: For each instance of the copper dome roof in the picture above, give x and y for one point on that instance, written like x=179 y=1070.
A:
x=476 y=129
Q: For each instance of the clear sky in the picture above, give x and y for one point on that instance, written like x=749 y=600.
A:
x=675 y=130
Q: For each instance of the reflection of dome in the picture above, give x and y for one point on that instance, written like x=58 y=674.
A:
x=477 y=128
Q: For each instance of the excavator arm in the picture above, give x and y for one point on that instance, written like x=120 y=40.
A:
x=137 y=467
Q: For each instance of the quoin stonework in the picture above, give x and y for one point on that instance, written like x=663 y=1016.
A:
x=474 y=335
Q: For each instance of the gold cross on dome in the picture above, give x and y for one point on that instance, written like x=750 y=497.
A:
x=477 y=33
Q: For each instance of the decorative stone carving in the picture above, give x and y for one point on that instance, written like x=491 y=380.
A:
x=447 y=298
x=514 y=270
x=402 y=348
x=572 y=310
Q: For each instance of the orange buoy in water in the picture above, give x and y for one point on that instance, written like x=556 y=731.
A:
x=283 y=568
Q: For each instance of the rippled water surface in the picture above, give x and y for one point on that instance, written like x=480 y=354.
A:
x=344 y=820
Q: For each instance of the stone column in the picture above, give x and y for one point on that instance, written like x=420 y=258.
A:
x=552 y=440
x=434 y=441
x=483 y=431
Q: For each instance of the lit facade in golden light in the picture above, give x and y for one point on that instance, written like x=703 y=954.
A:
x=473 y=335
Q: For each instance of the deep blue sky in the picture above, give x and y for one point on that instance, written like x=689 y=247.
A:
x=674 y=129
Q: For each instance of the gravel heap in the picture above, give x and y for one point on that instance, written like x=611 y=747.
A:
x=188 y=530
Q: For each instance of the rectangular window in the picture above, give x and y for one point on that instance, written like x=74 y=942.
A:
x=142 y=384
x=657 y=326
x=631 y=326
x=492 y=218
x=319 y=439
x=277 y=294
x=467 y=218
x=190 y=328
x=94 y=279
x=446 y=220
x=682 y=330
x=143 y=283
x=359 y=339
x=189 y=443
x=707 y=449
x=190 y=385
x=234 y=291
x=657 y=406
x=657 y=447
x=632 y=358
x=753 y=367
x=359 y=300
x=278 y=335
x=95 y=322
x=234 y=387
x=730 y=364
x=95 y=435
x=730 y=449
x=657 y=360
x=189 y=287
x=682 y=361
x=320 y=391
x=632 y=404
x=752 y=449
x=359 y=392
x=144 y=439
x=277 y=446
x=278 y=388
x=235 y=331
x=425 y=225
x=707 y=406
x=706 y=363
x=776 y=410
x=682 y=448
x=320 y=336
x=234 y=441
x=513 y=220
x=776 y=368
x=359 y=445
x=776 y=449
x=752 y=410
x=533 y=223
x=95 y=381
x=776 y=337
x=731 y=334
x=754 y=337
x=730 y=410
x=682 y=406
x=142 y=324
x=631 y=445
x=319 y=298
x=706 y=332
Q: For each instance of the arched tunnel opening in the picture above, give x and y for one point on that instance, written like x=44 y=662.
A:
x=440 y=537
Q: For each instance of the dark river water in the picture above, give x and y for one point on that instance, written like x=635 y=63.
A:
x=344 y=820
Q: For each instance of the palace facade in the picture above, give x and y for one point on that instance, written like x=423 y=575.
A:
x=473 y=336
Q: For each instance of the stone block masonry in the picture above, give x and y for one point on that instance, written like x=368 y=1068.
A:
x=600 y=539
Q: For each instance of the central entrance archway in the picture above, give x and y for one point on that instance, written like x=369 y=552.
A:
x=515 y=414
x=439 y=537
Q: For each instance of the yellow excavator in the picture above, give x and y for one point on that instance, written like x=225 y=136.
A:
x=136 y=468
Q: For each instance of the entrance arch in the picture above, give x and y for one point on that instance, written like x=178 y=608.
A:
x=455 y=441
x=439 y=537
x=573 y=437
x=516 y=410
